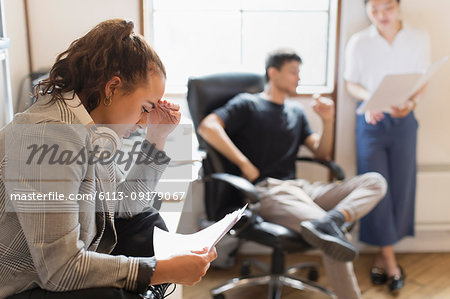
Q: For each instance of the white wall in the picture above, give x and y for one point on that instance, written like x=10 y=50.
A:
x=434 y=145
x=18 y=55
x=353 y=19
x=54 y=24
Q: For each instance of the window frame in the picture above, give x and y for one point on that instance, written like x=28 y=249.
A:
x=333 y=30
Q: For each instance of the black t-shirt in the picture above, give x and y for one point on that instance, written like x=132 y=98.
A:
x=268 y=134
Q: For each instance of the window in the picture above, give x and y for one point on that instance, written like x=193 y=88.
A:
x=198 y=37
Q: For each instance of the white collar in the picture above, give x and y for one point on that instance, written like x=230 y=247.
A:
x=373 y=31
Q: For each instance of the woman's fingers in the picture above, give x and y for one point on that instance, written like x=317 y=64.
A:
x=202 y=264
x=175 y=117
x=203 y=251
x=187 y=269
x=400 y=111
x=165 y=113
x=168 y=105
x=373 y=117
x=212 y=254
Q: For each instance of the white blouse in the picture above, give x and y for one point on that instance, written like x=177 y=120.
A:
x=369 y=57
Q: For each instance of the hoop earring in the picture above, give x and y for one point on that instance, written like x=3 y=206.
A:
x=107 y=101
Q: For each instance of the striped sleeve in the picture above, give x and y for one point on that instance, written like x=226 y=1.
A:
x=141 y=179
x=52 y=228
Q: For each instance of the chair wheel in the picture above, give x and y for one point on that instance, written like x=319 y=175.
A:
x=313 y=274
x=219 y=296
x=245 y=269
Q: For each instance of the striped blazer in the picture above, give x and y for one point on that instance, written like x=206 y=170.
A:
x=62 y=245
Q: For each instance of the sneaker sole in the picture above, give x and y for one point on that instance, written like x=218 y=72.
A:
x=329 y=245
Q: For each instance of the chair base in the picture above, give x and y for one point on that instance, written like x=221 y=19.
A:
x=278 y=277
x=275 y=282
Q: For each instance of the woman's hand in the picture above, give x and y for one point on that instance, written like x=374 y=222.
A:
x=187 y=269
x=161 y=121
x=373 y=117
x=249 y=171
x=403 y=110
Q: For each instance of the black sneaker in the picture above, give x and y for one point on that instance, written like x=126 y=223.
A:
x=326 y=236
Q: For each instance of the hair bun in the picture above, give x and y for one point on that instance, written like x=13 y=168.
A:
x=126 y=29
x=128 y=24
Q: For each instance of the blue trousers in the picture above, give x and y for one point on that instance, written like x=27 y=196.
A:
x=389 y=148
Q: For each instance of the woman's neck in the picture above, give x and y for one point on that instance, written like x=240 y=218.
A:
x=390 y=32
x=93 y=114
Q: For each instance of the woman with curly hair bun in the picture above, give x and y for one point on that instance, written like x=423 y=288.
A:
x=103 y=87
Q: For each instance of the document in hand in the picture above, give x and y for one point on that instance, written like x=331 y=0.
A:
x=168 y=244
x=396 y=89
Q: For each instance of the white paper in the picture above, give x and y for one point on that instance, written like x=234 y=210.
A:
x=396 y=89
x=168 y=244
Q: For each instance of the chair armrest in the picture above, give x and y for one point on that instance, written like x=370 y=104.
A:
x=335 y=169
x=250 y=216
x=241 y=184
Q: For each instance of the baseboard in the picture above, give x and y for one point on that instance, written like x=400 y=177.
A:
x=425 y=241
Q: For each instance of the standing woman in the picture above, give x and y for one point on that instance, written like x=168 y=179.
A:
x=386 y=142
x=71 y=224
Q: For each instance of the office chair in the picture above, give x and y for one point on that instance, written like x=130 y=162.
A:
x=226 y=191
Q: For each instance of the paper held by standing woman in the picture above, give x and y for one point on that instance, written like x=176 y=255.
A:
x=396 y=89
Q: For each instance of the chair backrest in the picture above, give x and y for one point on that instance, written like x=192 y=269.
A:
x=205 y=94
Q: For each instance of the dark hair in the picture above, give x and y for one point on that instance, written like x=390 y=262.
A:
x=365 y=1
x=109 y=49
x=278 y=58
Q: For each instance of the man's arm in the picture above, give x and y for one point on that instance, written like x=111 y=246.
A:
x=212 y=129
x=322 y=145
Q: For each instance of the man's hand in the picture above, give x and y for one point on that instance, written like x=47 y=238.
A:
x=161 y=121
x=324 y=107
x=373 y=117
x=249 y=171
x=187 y=269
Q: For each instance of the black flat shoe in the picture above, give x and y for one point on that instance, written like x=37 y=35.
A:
x=378 y=276
x=397 y=281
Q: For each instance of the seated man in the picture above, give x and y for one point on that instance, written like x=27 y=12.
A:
x=261 y=134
